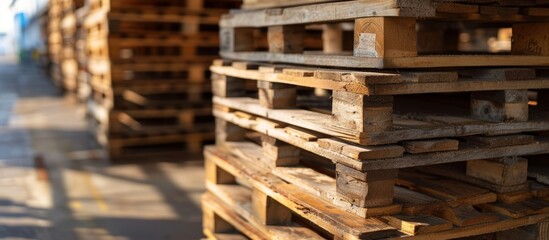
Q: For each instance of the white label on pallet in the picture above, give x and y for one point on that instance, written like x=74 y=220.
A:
x=366 y=45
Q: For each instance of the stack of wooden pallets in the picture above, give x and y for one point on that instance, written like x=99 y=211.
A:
x=73 y=15
x=148 y=74
x=55 y=40
x=392 y=128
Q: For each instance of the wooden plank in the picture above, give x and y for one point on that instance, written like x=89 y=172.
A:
x=504 y=140
x=466 y=216
x=483 y=228
x=500 y=74
x=456 y=8
x=520 y=209
x=339 y=11
x=361 y=152
x=514 y=197
x=415 y=203
x=415 y=225
x=453 y=192
x=430 y=61
x=431 y=145
x=539 y=231
x=372 y=83
x=459 y=174
x=259 y=4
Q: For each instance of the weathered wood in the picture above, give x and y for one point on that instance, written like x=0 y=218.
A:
x=502 y=106
x=530 y=39
x=539 y=231
x=504 y=140
x=506 y=172
x=453 y=192
x=466 y=216
x=334 y=220
x=432 y=145
x=286 y=39
x=451 y=172
x=213 y=223
x=276 y=95
x=281 y=153
x=373 y=83
x=416 y=225
x=362 y=113
x=365 y=189
x=464 y=154
x=520 y=209
x=427 y=61
x=361 y=152
x=325 y=187
x=385 y=37
x=226 y=131
x=500 y=74
x=322 y=123
x=217 y=175
x=267 y=210
x=332 y=36
x=236 y=39
x=226 y=86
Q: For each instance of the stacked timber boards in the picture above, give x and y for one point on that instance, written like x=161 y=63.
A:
x=387 y=129
x=55 y=40
x=74 y=13
x=147 y=70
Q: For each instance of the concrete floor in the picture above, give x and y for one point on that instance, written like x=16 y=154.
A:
x=79 y=194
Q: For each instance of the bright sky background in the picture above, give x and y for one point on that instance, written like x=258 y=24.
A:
x=6 y=17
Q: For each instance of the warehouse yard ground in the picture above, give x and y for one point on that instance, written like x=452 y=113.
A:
x=56 y=184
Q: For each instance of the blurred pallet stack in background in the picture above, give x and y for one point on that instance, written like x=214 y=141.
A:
x=73 y=16
x=55 y=41
x=149 y=83
x=413 y=119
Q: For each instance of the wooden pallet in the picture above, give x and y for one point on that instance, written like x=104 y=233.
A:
x=175 y=6
x=108 y=73
x=84 y=89
x=387 y=34
x=168 y=146
x=373 y=108
x=137 y=24
x=130 y=122
x=284 y=146
x=201 y=47
x=151 y=95
x=246 y=196
x=262 y=4
x=69 y=6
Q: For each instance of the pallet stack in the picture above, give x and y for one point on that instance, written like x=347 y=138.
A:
x=391 y=129
x=55 y=40
x=148 y=74
x=73 y=15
